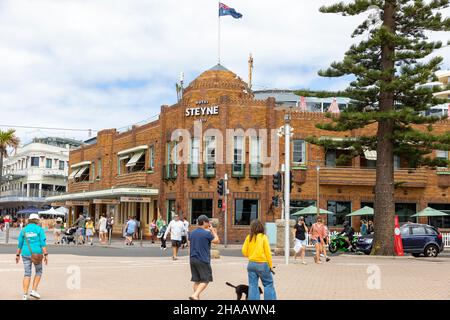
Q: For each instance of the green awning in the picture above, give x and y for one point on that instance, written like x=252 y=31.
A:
x=366 y=211
x=430 y=212
x=310 y=210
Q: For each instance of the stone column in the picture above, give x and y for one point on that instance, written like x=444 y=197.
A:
x=280 y=223
x=215 y=253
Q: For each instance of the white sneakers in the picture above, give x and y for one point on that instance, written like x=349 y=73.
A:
x=35 y=295
x=24 y=297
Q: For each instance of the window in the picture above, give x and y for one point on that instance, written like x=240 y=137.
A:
x=82 y=174
x=193 y=170
x=99 y=168
x=340 y=210
x=199 y=207
x=35 y=161
x=170 y=210
x=442 y=155
x=255 y=157
x=151 y=166
x=136 y=162
x=61 y=165
x=397 y=162
x=299 y=151
x=245 y=211
x=418 y=231
x=404 y=231
x=210 y=156
x=238 y=158
x=332 y=157
x=48 y=163
x=405 y=211
x=297 y=205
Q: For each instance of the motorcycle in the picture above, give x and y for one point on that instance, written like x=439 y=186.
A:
x=338 y=243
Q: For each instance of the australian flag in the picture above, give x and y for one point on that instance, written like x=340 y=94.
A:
x=227 y=11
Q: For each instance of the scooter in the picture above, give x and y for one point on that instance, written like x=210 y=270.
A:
x=338 y=243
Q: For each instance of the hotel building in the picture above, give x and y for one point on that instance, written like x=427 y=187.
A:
x=165 y=166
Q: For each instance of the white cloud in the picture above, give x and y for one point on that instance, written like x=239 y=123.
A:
x=109 y=63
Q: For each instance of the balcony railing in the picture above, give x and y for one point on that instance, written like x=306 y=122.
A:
x=170 y=171
x=256 y=170
x=193 y=170
x=366 y=177
x=32 y=193
x=238 y=170
x=209 y=170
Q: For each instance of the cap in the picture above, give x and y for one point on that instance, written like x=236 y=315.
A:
x=34 y=216
x=202 y=219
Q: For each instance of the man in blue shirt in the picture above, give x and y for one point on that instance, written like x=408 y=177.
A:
x=130 y=229
x=200 y=256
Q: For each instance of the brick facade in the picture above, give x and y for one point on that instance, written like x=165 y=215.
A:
x=238 y=110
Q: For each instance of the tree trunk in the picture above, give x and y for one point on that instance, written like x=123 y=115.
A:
x=383 y=242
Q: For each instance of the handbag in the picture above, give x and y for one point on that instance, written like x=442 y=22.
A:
x=36 y=258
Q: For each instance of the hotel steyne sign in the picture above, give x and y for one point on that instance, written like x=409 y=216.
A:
x=202 y=111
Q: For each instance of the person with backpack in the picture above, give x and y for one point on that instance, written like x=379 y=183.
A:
x=33 y=249
x=300 y=239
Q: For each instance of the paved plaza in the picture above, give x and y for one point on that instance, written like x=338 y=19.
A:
x=78 y=276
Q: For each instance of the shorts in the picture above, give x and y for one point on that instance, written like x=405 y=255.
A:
x=129 y=234
x=102 y=230
x=57 y=232
x=314 y=241
x=176 y=243
x=89 y=232
x=299 y=244
x=200 y=271
x=27 y=264
x=183 y=239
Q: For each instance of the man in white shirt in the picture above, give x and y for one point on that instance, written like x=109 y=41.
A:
x=184 y=236
x=175 y=228
x=102 y=228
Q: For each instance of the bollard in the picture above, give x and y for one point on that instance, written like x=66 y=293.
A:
x=110 y=235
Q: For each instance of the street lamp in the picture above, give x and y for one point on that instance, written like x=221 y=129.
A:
x=318 y=190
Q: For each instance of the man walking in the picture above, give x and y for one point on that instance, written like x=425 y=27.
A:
x=130 y=229
x=175 y=228
x=102 y=223
x=200 y=257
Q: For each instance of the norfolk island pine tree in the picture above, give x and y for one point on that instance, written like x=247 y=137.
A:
x=389 y=68
x=8 y=139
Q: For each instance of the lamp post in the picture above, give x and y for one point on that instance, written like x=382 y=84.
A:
x=318 y=190
x=287 y=179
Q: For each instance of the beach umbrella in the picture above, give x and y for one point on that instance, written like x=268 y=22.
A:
x=430 y=212
x=334 y=108
x=310 y=210
x=366 y=211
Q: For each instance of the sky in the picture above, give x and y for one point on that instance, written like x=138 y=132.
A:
x=95 y=64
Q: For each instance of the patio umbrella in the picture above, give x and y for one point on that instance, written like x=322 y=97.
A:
x=302 y=105
x=310 y=210
x=334 y=108
x=430 y=212
x=51 y=212
x=62 y=210
x=366 y=211
x=29 y=210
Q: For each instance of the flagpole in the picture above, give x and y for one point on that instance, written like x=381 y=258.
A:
x=218 y=44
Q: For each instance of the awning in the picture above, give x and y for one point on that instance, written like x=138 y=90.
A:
x=135 y=158
x=74 y=172
x=121 y=158
x=81 y=171
x=366 y=211
x=81 y=164
x=370 y=155
x=310 y=211
x=430 y=212
x=132 y=150
x=105 y=193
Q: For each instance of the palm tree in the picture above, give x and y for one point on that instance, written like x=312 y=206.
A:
x=8 y=139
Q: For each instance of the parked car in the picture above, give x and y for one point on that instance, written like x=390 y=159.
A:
x=417 y=239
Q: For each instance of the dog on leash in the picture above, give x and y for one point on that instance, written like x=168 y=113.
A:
x=241 y=290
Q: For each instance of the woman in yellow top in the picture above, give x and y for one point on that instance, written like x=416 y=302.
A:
x=90 y=230
x=257 y=249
